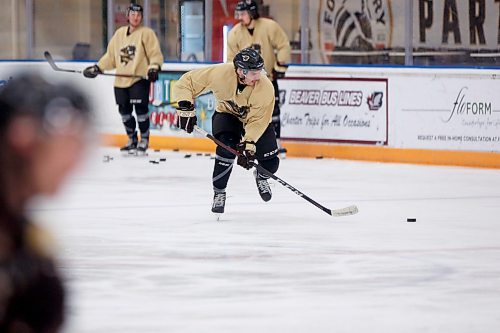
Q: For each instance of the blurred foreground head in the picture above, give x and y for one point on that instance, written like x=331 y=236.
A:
x=43 y=131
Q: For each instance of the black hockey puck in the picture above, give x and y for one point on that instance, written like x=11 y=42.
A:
x=163 y=159
x=154 y=162
x=199 y=154
x=411 y=219
x=187 y=156
x=319 y=157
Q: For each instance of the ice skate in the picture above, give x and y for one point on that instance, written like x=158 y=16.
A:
x=262 y=186
x=219 y=203
x=142 y=147
x=131 y=147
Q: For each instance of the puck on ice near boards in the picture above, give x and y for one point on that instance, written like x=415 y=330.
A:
x=411 y=219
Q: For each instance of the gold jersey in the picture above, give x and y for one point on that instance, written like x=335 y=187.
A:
x=267 y=38
x=132 y=54
x=253 y=105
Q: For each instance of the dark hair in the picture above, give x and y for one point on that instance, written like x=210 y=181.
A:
x=31 y=94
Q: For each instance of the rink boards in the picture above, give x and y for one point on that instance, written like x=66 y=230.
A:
x=444 y=116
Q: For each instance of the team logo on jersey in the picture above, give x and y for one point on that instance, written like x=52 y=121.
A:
x=361 y=25
x=127 y=54
x=240 y=111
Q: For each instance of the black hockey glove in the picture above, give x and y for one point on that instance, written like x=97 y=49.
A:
x=186 y=116
x=153 y=74
x=279 y=71
x=246 y=154
x=278 y=75
x=92 y=71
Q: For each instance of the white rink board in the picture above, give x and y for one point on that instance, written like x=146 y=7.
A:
x=447 y=114
x=419 y=103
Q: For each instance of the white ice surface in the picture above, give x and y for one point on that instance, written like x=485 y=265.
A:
x=142 y=252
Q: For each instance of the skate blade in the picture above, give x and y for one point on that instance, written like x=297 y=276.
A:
x=218 y=216
x=141 y=153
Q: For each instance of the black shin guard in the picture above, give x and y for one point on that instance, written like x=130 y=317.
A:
x=224 y=161
x=128 y=119
x=142 y=119
x=222 y=170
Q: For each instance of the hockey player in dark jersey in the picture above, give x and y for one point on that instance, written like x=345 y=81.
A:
x=270 y=40
x=43 y=130
x=133 y=50
x=244 y=106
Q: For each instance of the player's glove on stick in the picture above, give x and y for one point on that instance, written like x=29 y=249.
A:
x=246 y=154
x=186 y=116
x=279 y=71
x=92 y=71
x=153 y=74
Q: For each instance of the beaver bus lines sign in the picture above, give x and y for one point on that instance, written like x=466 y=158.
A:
x=350 y=110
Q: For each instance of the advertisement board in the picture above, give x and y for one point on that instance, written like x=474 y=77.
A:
x=447 y=114
x=439 y=111
x=335 y=110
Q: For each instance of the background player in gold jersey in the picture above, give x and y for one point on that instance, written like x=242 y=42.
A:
x=268 y=38
x=244 y=107
x=133 y=50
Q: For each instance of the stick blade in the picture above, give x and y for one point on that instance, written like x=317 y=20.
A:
x=350 y=210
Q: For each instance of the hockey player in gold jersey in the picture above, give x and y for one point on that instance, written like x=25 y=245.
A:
x=244 y=107
x=133 y=50
x=268 y=38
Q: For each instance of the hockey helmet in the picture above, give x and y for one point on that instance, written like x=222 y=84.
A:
x=250 y=6
x=135 y=7
x=248 y=60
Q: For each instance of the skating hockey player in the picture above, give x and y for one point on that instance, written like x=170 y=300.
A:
x=245 y=101
x=270 y=40
x=134 y=50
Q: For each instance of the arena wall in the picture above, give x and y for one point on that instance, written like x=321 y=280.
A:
x=441 y=116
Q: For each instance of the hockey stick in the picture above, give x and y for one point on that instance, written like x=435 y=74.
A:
x=52 y=64
x=350 y=210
